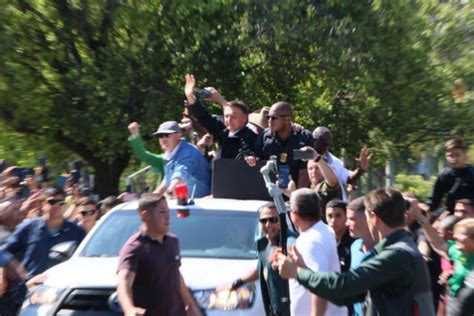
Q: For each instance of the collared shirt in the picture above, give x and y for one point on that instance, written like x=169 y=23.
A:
x=31 y=242
x=156 y=287
x=190 y=166
x=269 y=144
x=170 y=154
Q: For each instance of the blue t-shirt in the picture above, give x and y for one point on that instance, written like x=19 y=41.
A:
x=31 y=242
x=357 y=257
x=5 y=258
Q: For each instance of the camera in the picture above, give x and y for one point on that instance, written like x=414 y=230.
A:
x=202 y=94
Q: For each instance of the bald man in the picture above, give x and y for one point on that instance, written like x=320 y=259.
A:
x=281 y=138
x=322 y=141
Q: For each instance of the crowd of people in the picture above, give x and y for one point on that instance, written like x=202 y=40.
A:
x=32 y=224
x=384 y=253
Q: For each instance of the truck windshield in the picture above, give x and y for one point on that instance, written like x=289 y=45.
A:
x=204 y=234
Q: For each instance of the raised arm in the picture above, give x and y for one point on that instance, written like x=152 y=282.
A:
x=436 y=241
x=136 y=143
x=363 y=163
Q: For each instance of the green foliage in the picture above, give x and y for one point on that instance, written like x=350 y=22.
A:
x=415 y=184
x=378 y=73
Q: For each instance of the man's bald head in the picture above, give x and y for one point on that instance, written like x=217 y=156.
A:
x=282 y=108
x=322 y=139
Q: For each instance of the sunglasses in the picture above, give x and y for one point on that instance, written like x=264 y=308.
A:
x=55 y=202
x=87 y=212
x=272 y=220
x=275 y=117
x=164 y=135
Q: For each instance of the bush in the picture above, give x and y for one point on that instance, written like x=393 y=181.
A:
x=415 y=184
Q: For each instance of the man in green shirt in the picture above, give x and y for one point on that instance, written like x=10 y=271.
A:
x=396 y=278
x=136 y=143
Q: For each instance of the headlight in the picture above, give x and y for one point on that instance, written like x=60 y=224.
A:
x=45 y=295
x=226 y=300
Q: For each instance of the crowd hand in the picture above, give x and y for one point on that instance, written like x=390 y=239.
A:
x=275 y=256
x=364 y=159
x=440 y=218
x=205 y=141
x=215 y=96
x=415 y=210
x=32 y=202
x=134 y=129
x=136 y=311
x=287 y=267
x=189 y=89
x=297 y=127
x=296 y=256
x=290 y=189
x=444 y=277
x=251 y=161
x=186 y=124
x=36 y=281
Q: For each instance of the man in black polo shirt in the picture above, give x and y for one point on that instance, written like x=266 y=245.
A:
x=235 y=139
x=149 y=280
x=282 y=138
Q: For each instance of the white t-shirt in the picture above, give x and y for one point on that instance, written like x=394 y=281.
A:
x=341 y=172
x=317 y=246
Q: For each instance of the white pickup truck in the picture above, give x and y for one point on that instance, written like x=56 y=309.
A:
x=218 y=245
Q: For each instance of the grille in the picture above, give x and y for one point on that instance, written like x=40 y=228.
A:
x=87 y=300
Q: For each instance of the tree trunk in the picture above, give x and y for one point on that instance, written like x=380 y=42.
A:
x=107 y=176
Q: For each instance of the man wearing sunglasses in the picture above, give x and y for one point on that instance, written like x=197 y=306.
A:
x=281 y=138
x=184 y=163
x=88 y=213
x=31 y=241
x=271 y=284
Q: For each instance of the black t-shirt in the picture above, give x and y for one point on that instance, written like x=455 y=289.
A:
x=455 y=183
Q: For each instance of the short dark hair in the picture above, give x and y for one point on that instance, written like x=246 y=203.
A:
x=466 y=200
x=50 y=192
x=270 y=205
x=455 y=143
x=149 y=201
x=86 y=201
x=305 y=202
x=110 y=202
x=357 y=205
x=388 y=204
x=240 y=105
x=337 y=204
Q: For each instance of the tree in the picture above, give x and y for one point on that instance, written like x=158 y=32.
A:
x=76 y=72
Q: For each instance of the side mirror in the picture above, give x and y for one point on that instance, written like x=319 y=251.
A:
x=62 y=251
